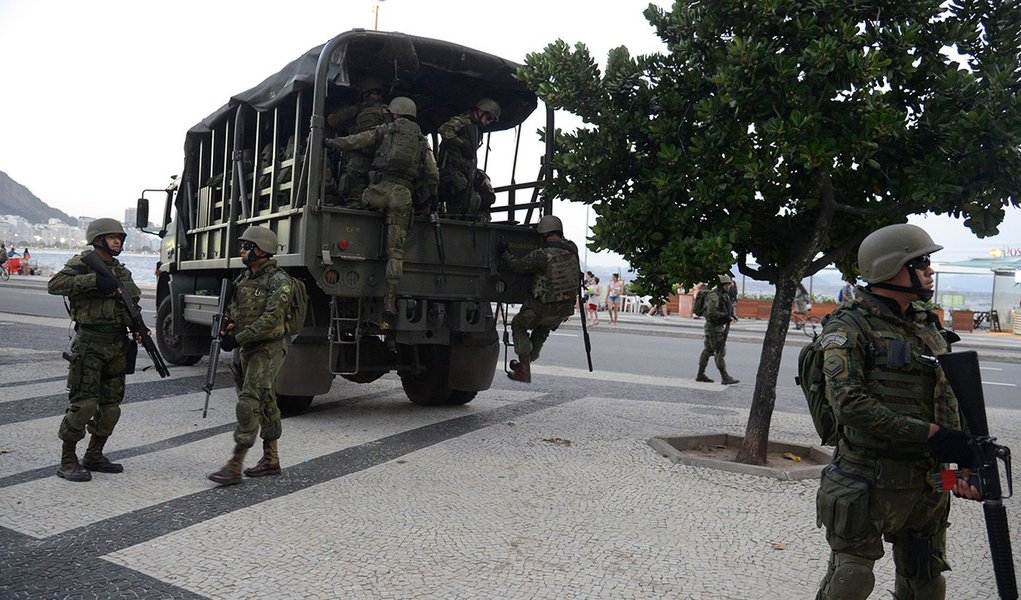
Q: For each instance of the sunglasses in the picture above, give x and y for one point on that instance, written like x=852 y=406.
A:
x=249 y=246
x=920 y=263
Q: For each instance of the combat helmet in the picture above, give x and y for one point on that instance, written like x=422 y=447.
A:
x=369 y=84
x=403 y=106
x=490 y=106
x=262 y=237
x=726 y=279
x=549 y=224
x=883 y=253
x=105 y=226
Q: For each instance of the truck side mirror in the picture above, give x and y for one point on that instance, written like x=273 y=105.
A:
x=142 y=214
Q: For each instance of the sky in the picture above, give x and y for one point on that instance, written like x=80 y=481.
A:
x=98 y=95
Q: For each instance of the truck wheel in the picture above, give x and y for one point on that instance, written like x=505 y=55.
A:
x=429 y=387
x=170 y=345
x=292 y=405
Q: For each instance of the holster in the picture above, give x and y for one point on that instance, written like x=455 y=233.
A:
x=130 y=355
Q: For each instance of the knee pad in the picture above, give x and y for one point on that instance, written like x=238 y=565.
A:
x=852 y=579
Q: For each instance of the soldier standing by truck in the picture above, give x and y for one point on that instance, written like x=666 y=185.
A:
x=403 y=163
x=556 y=277
x=258 y=314
x=99 y=353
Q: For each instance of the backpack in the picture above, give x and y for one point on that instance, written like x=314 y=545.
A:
x=699 y=309
x=398 y=152
x=813 y=383
x=296 y=312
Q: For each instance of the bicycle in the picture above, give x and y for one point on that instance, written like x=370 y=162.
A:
x=5 y=273
x=810 y=325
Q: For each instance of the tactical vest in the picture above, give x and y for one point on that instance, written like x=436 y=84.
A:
x=559 y=282
x=902 y=375
x=372 y=115
x=91 y=308
x=252 y=293
x=399 y=151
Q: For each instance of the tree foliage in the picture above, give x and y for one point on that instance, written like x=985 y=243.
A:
x=780 y=133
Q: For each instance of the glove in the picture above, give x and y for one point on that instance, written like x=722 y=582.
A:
x=335 y=144
x=228 y=343
x=105 y=285
x=502 y=247
x=951 y=445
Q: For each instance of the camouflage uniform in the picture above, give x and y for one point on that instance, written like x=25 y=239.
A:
x=358 y=162
x=392 y=192
x=259 y=308
x=885 y=390
x=95 y=380
x=717 y=315
x=460 y=139
x=554 y=294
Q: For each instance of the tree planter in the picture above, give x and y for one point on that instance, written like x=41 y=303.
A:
x=747 y=308
x=962 y=320
x=717 y=451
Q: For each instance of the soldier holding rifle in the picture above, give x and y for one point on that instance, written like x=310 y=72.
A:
x=101 y=351
x=898 y=422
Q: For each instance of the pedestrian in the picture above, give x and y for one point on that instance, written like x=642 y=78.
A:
x=801 y=306
x=461 y=181
x=555 y=276
x=897 y=419
x=593 y=301
x=846 y=293
x=719 y=312
x=403 y=165
x=256 y=332
x=101 y=351
x=616 y=294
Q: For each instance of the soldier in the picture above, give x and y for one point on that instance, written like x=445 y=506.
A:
x=897 y=421
x=402 y=164
x=101 y=352
x=556 y=276
x=369 y=113
x=258 y=311
x=462 y=185
x=719 y=312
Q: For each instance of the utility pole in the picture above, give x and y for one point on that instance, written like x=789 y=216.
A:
x=375 y=15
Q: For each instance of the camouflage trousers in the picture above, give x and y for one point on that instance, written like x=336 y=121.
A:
x=540 y=318
x=715 y=345
x=859 y=516
x=354 y=178
x=395 y=200
x=95 y=382
x=255 y=370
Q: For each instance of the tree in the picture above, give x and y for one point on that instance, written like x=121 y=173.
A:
x=779 y=133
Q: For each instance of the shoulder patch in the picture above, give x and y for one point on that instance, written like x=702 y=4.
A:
x=833 y=366
x=833 y=340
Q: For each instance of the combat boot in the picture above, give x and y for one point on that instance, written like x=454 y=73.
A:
x=269 y=464
x=94 y=459
x=69 y=467
x=701 y=377
x=728 y=380
x=230 y=473
x=521 y=370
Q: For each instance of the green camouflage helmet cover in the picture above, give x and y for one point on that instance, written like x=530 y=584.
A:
x=490 y=106
x=549 y=224
x=367 y=85
x=105 y=226
x=883 y=253
x=725 y=279
x=262 y=237
x=403 y=106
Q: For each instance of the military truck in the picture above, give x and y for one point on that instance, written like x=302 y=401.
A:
x=260 y=159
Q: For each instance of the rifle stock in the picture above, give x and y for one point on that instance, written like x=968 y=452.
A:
x=138 y=326
x=962 y=371
x=219 y=321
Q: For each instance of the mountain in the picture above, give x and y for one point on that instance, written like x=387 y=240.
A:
x=16 y=199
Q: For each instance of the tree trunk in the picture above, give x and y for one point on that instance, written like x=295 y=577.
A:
x=753 y=450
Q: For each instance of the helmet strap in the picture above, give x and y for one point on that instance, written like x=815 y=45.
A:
x=106 y=246
x=924 y=294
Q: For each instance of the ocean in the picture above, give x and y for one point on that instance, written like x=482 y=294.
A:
x=142 y=266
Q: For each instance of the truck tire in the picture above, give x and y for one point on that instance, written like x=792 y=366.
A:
x=170 y=345
x=292 y=405
x=429 y=387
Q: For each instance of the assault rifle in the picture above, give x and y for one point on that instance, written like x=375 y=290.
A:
x=584 y=324
x=961 y=369
x=220 y=321
x=138 y=327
